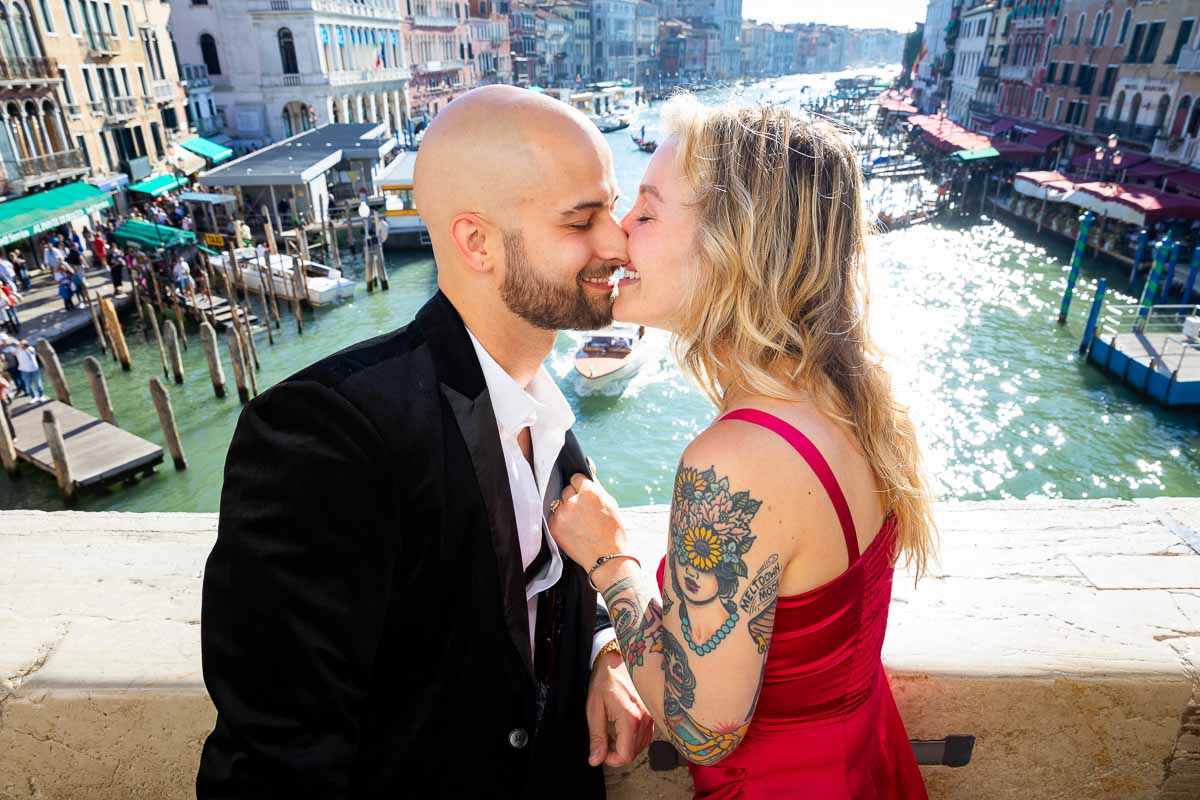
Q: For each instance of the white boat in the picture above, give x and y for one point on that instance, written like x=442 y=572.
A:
x=324 y=284
x=609 y=356
x=395 y=183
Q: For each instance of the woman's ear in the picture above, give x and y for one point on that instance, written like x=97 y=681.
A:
x=470 y=234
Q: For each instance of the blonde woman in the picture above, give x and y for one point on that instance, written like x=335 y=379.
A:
x=760 y=654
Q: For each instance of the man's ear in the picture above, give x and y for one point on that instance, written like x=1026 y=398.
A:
x=474 y=240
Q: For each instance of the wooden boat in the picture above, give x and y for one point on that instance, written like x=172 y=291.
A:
x=609 y=356
x=324 y=284
x=645 y=145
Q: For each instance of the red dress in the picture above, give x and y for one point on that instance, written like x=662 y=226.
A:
x=826 y=725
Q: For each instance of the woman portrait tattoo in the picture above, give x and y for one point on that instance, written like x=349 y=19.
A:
x=710 y=533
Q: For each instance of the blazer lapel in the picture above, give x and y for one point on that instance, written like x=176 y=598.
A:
x=463 y=386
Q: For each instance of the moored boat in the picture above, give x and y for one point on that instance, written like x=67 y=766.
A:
x=323 y=284
x=609 y=356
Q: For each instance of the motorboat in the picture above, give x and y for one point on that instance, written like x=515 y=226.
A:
x=609 y=356
x=610 y=123
x=395 y=183
x=323 y=283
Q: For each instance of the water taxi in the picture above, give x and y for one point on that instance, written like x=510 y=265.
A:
x=395 y=183
x=609 y=356
x=323 y=283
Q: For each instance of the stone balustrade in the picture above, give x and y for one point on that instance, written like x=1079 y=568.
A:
x=1064 y=635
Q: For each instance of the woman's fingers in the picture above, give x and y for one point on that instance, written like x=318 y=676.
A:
x=578 y=480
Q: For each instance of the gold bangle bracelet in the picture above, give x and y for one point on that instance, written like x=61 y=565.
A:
x=612 y=647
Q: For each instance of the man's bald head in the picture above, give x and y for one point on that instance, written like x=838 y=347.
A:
x=493 y=150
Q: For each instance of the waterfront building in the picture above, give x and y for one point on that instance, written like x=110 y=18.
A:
x=1156 y=93
x=646 y=43
x=1024 y=69
x=1081 y=67
x=119 y=81
x=522 y=26
x=982 y=104
x=975 y=29
x=933 y=82
x=756 y=48
x=783 y=44
x=438 y=37
x=579 y=55
x=36 y=147
x=277 y=68
x=201 y=107
x=614 y=40
x=489 y=44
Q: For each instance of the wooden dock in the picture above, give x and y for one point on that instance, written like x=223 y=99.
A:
x=1155 y=364
x=97 y=452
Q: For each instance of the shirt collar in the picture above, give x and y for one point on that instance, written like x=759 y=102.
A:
x=517 y=407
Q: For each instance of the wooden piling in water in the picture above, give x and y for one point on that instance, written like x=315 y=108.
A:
x=8 y=448
x=166 y=418
x=208 y=342
x=54 y=371
x=234 y=342
x=137 y=299
x=179 y=317
x=100 y=338
x=381 y=233
x=95 y=376
x=58 y=452
x=152 y=322
x=113 y=323
x=171 y=342
x=262 y=284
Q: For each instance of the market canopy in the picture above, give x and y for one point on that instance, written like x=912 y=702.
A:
x=1044 y=185
x=975 y=155
x=1137 y=205
x=1017 y=152
x=35 y=213
x=1187 y=181
x=149 y=236
x=216 y=153
x=1148 y=170
x=1086 y=161
x=211 y=198
x=946 y=135
x=158 y=185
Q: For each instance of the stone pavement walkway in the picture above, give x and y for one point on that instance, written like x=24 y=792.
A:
x=42 y=313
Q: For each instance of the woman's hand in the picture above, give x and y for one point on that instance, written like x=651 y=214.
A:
x=587 y=524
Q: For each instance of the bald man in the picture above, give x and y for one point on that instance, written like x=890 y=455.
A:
x=384 y=613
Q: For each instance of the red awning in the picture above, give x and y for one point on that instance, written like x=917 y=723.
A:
x=948 y=136
x=1186 y=181
x=1017 y=152
x=1043 y=177
x=897 y=106
x=1149 y=170
x=1128 y=160
x=1001 y=125
x=1043 y=137
x=1153 y=204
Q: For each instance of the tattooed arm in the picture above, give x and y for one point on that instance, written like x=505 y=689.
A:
x=696 y=650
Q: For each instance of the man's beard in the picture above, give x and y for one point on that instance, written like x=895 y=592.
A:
x=543 y=303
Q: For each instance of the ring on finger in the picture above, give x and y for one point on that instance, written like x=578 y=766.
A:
x=554 y=504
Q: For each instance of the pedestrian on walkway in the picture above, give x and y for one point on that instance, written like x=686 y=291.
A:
x=8 y=273
x=99 y=252
x=62 y=276
x=52 y=254
x=22 y=269
x=116 y=267
x=8 y=391
x=183 y=275
x=31 y=373
x=9 y=300
x=75 y=262
x=8 y=359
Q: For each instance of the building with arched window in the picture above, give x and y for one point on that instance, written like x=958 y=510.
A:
x=276 y=69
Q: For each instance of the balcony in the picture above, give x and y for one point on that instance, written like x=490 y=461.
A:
x=148 y=102
x=96 y=107
x=73 y=110
x=345 y=77
x=27 y=173
x=1016 y=72
x=441 y=23
x=121 y=109
x=28 y=70
x=208 y=126
x=986 y=71
x=445 y=65
x=195 y=76
x=1189 y=60
x=100 y=46
x=348 y=8
x=164 y=91
x=982 y=106
x=1127 y=131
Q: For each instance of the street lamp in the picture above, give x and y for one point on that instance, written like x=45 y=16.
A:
x=1106 y=158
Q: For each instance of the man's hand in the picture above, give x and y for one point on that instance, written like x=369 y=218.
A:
x=612 y=699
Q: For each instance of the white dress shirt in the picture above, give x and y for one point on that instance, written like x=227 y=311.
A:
x=542 y=408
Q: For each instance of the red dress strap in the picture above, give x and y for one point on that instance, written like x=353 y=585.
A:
x=816 y=462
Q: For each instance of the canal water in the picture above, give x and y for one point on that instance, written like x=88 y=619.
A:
x=967 y=311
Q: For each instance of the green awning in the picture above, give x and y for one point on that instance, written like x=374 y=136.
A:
x=975 y=155
x=32 y=214
x=157 y=185
x=208 y=250
x=149 y=236
x=214 y=152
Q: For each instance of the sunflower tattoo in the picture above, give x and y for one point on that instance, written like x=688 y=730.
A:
x=702 y=549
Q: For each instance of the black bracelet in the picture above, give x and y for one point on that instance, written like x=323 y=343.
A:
x=602 y=560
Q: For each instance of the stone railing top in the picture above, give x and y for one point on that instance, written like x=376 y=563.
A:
x=1036 y=588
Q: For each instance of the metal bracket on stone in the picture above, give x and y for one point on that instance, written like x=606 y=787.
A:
x=952 y=751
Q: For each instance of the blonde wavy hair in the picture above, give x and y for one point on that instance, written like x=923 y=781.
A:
x=778 y=302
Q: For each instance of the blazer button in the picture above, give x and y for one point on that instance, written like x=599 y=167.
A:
x=518 y=738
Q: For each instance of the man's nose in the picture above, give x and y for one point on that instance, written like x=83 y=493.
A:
x=613 y=241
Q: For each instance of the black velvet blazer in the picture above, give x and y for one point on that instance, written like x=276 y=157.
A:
x=364 y=624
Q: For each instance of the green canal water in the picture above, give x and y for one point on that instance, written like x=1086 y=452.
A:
x=965 y=311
